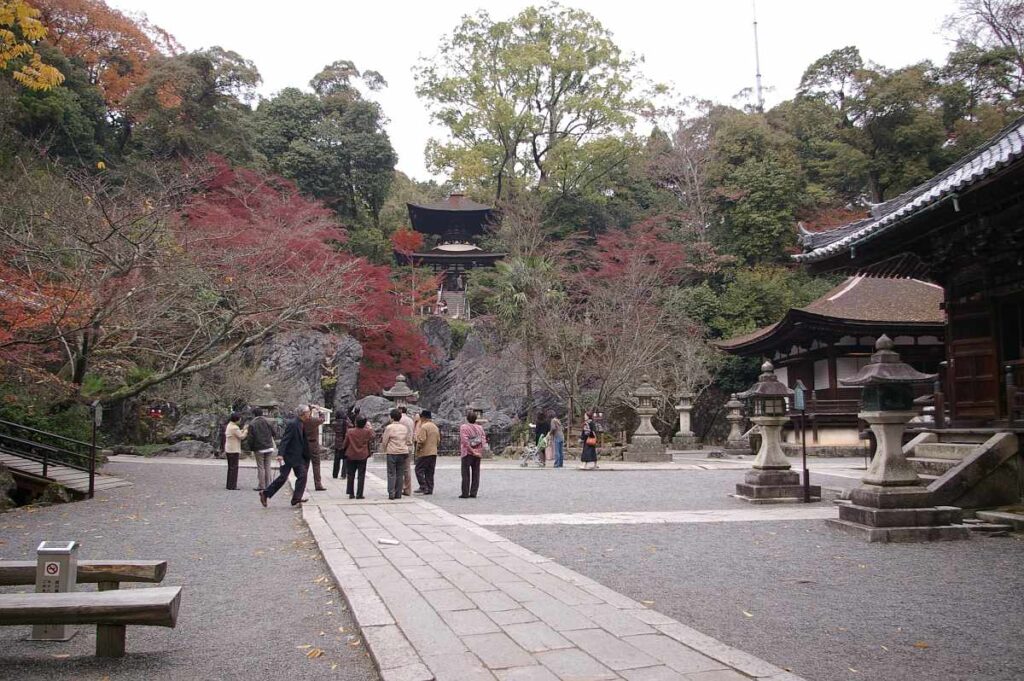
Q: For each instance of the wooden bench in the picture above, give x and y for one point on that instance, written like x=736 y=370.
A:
x=108 y=574
x=138 y=606
x=111 y=611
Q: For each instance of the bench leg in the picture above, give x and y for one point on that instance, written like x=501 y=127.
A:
x=110 y=640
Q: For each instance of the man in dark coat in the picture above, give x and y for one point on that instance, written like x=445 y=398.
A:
x=292 y=455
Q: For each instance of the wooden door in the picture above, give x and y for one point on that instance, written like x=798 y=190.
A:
x=974 y=365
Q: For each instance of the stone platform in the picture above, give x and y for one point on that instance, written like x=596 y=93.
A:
x=774 y=487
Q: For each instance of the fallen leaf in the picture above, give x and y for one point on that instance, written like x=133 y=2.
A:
x=884 y=648
x=647 y=602
x=314 y=653
x=304 y=647
x=747 y=613
x=921 y=644
x=341 y=630
x=61 y=656
x=853 y=670
x=334 y=665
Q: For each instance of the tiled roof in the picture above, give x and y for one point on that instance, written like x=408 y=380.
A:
x=873 y=300
x=455 y=202
x=1002 y=150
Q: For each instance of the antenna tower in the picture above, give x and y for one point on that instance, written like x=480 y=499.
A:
x=757 y=63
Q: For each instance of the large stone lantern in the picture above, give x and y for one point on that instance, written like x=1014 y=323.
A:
x=892 y=504
x=734 y=415
x=265 y=400
x=685 y=438
x=401 y=393
x=771 y=480
x=646 y=444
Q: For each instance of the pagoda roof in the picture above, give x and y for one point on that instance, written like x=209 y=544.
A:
x=999 y=154
x=454 y=203
x=859 y=305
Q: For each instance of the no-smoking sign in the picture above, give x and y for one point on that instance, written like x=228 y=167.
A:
x=52 y=569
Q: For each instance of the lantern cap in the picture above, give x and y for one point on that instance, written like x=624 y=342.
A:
x=886 y=367
x=734 y=402
x=400 y=389
x=645 y=389
x=768 y=385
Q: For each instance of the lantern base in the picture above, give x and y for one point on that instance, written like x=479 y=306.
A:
x=685 y=441
x=774 y=487
x=646 y=449
x=898 y=514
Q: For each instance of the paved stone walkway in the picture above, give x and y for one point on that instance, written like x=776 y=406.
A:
x=439 y=597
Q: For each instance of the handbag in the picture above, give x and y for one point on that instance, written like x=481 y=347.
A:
x=592 y=440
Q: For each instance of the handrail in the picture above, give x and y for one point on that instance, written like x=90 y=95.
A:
x=34 y=450
x=44 y=432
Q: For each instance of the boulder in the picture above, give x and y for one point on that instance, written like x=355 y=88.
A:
x=201 y=426
x=192 y=449
x=439 y=338
x=376 y=409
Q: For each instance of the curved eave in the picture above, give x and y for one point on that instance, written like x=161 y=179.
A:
x=799 y=325
x=420 y=258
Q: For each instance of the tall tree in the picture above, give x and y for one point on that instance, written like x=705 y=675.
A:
x=516 y=94
x=20 y=28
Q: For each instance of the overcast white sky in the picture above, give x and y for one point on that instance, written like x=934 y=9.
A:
x=702 y=47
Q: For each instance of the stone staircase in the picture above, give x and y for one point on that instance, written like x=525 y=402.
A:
x=456 y=303
x=969 y=468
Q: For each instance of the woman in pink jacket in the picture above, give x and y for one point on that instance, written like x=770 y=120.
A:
x=472 y=442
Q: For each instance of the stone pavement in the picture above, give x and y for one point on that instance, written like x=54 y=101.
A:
x=439 y=597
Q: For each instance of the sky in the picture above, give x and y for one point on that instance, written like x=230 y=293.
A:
x=703 y=48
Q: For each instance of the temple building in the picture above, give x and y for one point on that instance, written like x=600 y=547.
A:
x=833 y=337
x=964 y=230
x=454 y=227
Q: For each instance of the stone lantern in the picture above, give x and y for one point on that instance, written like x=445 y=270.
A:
x=646 y=444
x=771 y=480
x=265 y=400
x=685 y=439
x=891 y=503
x=401 y=393
x=734 y=415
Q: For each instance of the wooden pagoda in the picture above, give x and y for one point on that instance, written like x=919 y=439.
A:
x=455 y=226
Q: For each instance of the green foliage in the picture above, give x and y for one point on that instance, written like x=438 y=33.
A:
x=35 y=408
x=460 y=332
x=544 y=91
x=194 y=103
x=331 y=143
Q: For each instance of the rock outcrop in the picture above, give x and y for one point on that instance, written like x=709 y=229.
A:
x=299 y=358
x=199 y=426
x=192 y=449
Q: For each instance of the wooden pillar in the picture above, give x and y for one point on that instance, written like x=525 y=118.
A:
x=833 y=378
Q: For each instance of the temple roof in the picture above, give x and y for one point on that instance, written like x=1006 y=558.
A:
x=1003 y=150
x=457 y=217
x=859 y=305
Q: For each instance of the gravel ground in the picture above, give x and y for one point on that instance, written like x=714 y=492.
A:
x=254 y=583
x=569 y=490
x=835 y=608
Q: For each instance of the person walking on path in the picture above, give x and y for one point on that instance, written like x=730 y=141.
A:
x=357 y=451
x=557 y=438
x=541 y=429
x=394 y=442
x=292 y=455
x=233 y=436
x=261 y=442
x=411 y=427
x=312 y=423
x=341 y=425
x=428 y=437
x=472 y=442
x=588 y=436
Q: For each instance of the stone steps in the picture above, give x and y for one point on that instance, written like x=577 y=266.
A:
x=1015 y=520
x=944 y=450
x=935 y=467
x=987 y=529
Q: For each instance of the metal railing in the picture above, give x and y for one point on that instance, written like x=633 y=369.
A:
x=49 y=449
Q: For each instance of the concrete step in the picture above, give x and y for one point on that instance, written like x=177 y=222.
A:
x=1016 y=520
x=987 y=529
x=927 y=466
x=964 y=435
x=944 y=450
x=927 y=477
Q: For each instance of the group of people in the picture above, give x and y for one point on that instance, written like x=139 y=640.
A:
x=403 y=440
x=549 y=437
